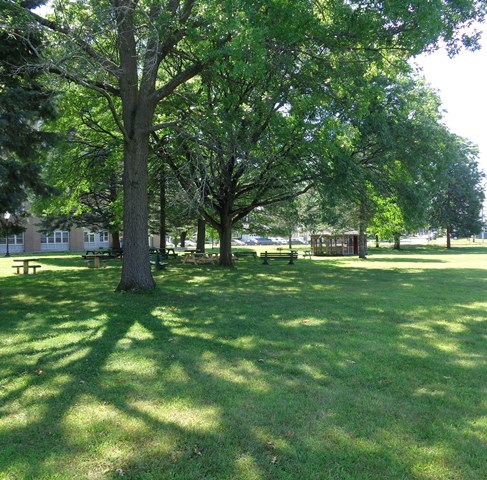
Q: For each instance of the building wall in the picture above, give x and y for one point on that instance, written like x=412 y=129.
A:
x=33 y=240
x=32 y=237
x=76 y=239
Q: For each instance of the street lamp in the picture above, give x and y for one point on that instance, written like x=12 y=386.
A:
x=6 y=216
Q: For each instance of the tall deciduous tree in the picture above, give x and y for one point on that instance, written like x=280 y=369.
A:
x=393 y=146
x=134 y=55
x=249 y=145
x=457 y=192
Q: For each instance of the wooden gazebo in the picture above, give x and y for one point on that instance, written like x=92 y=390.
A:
x=334 y=244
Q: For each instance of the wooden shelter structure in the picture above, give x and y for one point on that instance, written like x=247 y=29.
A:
x=334 y=244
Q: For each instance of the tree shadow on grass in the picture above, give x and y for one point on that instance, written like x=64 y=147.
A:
x=282 y=376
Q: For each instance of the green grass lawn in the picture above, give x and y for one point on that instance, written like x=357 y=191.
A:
x=328 y=369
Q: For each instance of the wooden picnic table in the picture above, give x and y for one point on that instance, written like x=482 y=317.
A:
x=26 y=265
x=200 y=258
x=98 y=252
x=96 y=259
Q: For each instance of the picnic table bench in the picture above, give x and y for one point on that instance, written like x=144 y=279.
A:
x=307 y=253
x=245 y=254
x=104 y=252
x=201 y=258
x=98 y=255
x=155 y=259
x=98 y=251
x=96 y=258
x=291 y=255
x=26 y=266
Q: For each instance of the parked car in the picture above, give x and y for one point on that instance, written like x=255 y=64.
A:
x=251 y=241
x=237 y=242
x=264 y=241
x=278 y=240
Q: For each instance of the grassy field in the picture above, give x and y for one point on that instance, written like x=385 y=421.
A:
x=328 y=369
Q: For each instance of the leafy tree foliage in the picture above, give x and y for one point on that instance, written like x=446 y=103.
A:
x=246 y=146
x=393 y=144
x=457 y=193
x=85 y=168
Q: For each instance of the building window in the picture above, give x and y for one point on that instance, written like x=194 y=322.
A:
x=104 y=237
x=13 y=240
x=56 y=237
x=88 y=237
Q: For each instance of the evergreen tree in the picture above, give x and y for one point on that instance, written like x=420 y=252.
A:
x=24 y=104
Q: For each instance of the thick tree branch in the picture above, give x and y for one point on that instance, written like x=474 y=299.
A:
x=73 y=36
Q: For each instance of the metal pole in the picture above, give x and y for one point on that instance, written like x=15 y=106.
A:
x=7 y=254
x=6 y=216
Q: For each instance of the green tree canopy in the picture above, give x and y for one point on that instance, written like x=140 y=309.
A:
x=457 y=191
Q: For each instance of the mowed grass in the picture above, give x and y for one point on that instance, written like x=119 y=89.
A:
x=328 y=369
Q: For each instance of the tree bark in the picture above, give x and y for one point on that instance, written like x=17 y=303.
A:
x=136 y=272
x=138 y=106
x=362 y=242
x=162 y=210
x=397 y=241
x=362 y=232
x=116 y=240
x=182 y=238
x=225 y=233
x=377 y=243
x=201 y=235
x=448 y=237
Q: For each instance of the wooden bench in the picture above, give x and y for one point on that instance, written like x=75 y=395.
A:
x=291 y=256
x=245 y=254
x=307 y=253
x=33 y=267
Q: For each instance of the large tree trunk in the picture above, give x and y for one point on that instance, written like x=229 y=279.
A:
x=225 y=232
x=136 y=271
x=162 y=209
x=397 y=241
x=362 y=232
x=201 y=235
x=137 y=112
x=116 y=240
x=362 y=242
x=182 y=238
x=448 y=237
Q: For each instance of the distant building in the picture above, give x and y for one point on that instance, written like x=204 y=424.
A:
x=76 y=239
x=334 y=244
